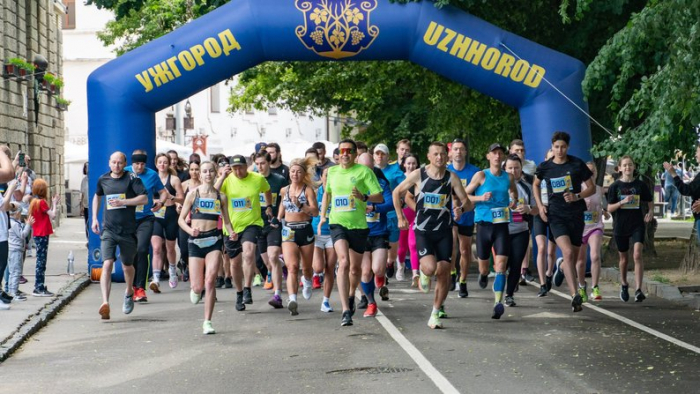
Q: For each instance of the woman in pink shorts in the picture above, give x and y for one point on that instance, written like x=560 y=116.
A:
x=407 y=238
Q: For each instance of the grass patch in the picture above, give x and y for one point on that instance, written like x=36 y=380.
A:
x=660 y=278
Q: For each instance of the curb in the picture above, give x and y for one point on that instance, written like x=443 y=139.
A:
x=40 y=318
x=657 y=289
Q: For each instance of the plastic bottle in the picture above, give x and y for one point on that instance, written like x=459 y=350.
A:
x=71 y=261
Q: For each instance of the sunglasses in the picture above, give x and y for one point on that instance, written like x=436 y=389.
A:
x=346 y=151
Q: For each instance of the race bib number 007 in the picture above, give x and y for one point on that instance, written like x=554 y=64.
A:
x=211 y=206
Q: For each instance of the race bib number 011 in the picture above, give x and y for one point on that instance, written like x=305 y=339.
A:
x=434 y=201
x=344 y=203
x=633 y=204
x=111 y=197
x=500 y=215
x=241 y=204
x=561 y=185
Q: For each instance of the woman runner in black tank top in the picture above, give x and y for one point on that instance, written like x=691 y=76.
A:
x=182 y=236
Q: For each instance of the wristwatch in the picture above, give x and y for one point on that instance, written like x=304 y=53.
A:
x=578 y=196
x=365 y=198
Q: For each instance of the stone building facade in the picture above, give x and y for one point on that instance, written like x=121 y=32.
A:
x=29 y=119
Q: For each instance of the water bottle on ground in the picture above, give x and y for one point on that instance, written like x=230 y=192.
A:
x=71 y=261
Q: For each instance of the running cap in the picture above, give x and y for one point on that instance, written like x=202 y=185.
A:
x=382 y=148
x=495 y=146
x=238 y=160
x=259 y=146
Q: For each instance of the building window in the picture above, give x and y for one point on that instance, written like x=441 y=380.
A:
x=69 y=17
x=215 y=99
x=272 y=111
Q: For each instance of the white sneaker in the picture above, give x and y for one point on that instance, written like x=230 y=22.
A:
x=4 y=306
x=307 y=291
x=172 y=272
x=326 y=307
x=400 y=271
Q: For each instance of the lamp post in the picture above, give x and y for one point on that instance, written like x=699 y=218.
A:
x=179 y=125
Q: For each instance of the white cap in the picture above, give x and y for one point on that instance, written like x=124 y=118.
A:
x=382 y=148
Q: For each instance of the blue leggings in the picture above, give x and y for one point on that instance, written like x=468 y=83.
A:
x=42 y=248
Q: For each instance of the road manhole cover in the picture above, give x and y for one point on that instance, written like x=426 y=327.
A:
x=369 y=370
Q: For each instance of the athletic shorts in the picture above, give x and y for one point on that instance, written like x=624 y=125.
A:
x=377 y=242
x=301 y=233
x=465 y=231
x=540 y=227
x=269 y=236
x=234 y=248
x=587 y=236
x=492 y=236
x=572 y=227
x=201 y=251
x=357 y=238
x=323 y=241
x=125 y=242
x=392 y=224
x=167 y=227
x=623 y=241
x=434 y=243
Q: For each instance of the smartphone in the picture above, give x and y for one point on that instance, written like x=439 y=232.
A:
x=21 y=159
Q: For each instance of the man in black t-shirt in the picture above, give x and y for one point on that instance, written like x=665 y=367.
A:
x=276 y=165
x=123 y=191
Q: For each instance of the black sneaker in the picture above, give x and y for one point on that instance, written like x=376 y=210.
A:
x=454 y=282
x=240 y=306
x=384 y=293
x=498 y=311
x=483 y=281
x=639 y=296
x=247 y=296
x=558 y=273
x=219 y=282
x=548 y=283
x=463 y=292
x=44 y=292
x=362 y=304
x=351 y=302
x=227 y=283
x=543 y=291
x=390 y=270
x=510 y=301
x=528 y=275
x=624 y=293
x=5 y=298
x=522 y=282
x=347 y=319
x=576 y=303
x=186 y=274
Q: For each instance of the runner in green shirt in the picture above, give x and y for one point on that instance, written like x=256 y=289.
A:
x=348 y=188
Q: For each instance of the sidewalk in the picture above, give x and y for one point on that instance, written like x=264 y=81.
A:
x=25 y=318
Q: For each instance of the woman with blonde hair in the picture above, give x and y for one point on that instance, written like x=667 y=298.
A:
x=42 y=229
x=298 y=207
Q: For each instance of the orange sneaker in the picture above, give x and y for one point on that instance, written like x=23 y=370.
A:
x=104 y=311
x=268 y=284
x=371 y=310
x=140 y=295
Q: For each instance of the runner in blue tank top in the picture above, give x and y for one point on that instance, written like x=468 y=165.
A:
x=495 y=194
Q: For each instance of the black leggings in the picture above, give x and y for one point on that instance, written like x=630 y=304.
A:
x=144 y=229
x=518 y=248
x=182 y=238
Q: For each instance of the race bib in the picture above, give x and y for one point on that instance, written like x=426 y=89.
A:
x=590 y=217
x=111 y=197
x=500 y=215
x=543 y=192
x=265 y=203
x=211 y=206
x=633 y=204
x=373 y=217
x=344 y=203
x=160 y=214
x=287 y=234
x=434 y=201
x=561 y=185
x=139 y=208
x=241 y=204
x=464 y=182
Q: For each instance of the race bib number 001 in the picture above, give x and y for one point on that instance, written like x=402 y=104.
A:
x=241 y=204
x=633 y=204
x=111 y=197
x=434 y=201
x=344 y=204
x=561 y=185
x=211 y=206
x=500 y=215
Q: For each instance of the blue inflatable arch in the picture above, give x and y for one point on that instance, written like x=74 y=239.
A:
x=125 y=94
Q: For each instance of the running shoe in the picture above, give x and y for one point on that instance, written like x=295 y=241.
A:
x=583 y=292
x=292 y=307
x=624 y=293
x=172 y=279
x=268 y=284
x=276 y=302
x=347 y=319
x=576 y=303
x=140 y=295
x=194 y=297
x=454 y=286
x=351 y=302
x=548 y=282
x=316 y=282
x=43 y=292
x=22 y=280
x=104 y=311
x=247 y=295
x=207 y=328
x=4 y=306
x=434 y=321
x=219 y=282
x=558 y=273
x=528 y=275
x=424 y=283
x=390 y=270
x=227 y=283
x=483 y=281
x=595 y=294
x=363 y=302
x=6 y=298
x=186 y=274
x=155 y=287
x=463 y=292
x=19 y=298
x=257 y=280
x=128 y=306
x=307 y=290
x=498 y=311
x=326 y=307
x=384 y=293
x=415 y=281
x=400 y=275
x=639 y=296
x=510 y=301
x=543 y=291
x=441 y=312
x=371 y=310
x=240 y=306
x=522 y=281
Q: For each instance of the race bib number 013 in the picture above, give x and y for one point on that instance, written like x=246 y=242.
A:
x=344 y=203
x=434 y=201
x=241 y=204
x=561 y=185
x=111 y=197
x=500 y=215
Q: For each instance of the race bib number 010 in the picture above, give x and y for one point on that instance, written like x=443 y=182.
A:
x=434 y=201
x=344 y=203
x=111 y=197
x=561 y=185
x=241 y=204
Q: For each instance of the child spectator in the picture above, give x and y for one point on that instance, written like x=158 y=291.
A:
x=42 y=229
x=17 y=242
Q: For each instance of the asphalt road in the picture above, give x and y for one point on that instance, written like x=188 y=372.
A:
x=539 y=346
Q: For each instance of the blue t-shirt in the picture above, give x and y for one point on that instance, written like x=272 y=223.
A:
x=151 y=181
x=376 y=221
x=465 y=175
x=325 y=230
x=393 y=173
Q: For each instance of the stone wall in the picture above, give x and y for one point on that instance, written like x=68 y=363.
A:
x=29 y=27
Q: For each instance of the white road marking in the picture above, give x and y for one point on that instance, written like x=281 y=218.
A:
x=57 y=241
x=633 y=323
x=440 y=381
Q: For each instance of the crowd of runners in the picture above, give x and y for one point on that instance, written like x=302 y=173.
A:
x=359 y=219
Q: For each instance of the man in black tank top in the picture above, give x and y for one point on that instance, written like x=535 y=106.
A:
x=434 y=186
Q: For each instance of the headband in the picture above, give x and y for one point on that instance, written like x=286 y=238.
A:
x=139 y=158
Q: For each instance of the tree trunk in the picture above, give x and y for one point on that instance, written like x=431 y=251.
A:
x=691 y=261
